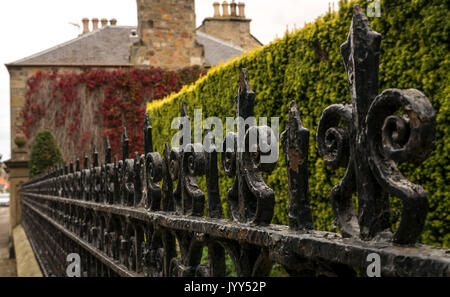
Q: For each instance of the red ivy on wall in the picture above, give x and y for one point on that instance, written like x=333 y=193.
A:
x=125 y=94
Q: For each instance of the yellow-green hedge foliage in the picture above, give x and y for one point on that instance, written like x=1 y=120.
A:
x=306 y=66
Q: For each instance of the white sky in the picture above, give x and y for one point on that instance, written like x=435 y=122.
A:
x=30 y=26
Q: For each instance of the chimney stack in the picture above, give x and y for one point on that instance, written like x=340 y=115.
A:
x=85 y=22
x=216 y=6
x=226 y=12
x=104 y=23
x=94 y=24
x=241 y=10
x=113 y=22
x=233 y=6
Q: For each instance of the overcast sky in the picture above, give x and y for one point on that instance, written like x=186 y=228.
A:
x=30 y=26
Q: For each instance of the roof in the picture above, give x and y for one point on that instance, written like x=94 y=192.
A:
x=216 y=50
x=111 y=46
x=106 y=46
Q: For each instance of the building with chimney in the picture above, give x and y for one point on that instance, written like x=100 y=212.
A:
x=230 y=26
x=166 y=37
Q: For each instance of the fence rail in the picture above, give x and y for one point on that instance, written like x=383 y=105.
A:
x=146 y=216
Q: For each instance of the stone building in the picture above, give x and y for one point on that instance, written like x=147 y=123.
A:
x=230 y=26
x=166 y=37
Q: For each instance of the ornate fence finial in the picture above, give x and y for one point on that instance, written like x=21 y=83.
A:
x=249 y=199
x=125 y=145
x=127 y=173
x=108 y=157
x=185 y=125
x=186 y=163
x=370 y=137
x=212 y=177
x=77 y=164
x=167 y=187
x=295 y=140
x=116 y=180
x=95 y=175
x=95 y=157
x=86 y=162
x=148 y=139
x=151 y=171
x=71 y=166
x=86 y=180
x=245 y=101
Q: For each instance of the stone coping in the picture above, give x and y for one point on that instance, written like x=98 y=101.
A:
x=27 y=265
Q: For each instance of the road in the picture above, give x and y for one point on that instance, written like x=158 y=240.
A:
x=7 y=266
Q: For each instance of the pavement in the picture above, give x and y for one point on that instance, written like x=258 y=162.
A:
x=7 y=266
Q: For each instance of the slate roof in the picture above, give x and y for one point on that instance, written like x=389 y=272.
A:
x=111 y=46
x=216 y=50
x=106 y=46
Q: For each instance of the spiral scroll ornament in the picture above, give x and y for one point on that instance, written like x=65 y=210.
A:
x=394 y=138
x=369 y=137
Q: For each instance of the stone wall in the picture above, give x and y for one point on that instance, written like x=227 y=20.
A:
x=166 y=31
x=90 y=101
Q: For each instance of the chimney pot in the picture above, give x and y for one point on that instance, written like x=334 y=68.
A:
x=113 y=22
x=216 y=6
x=233 y=6
x=94 y=24
x=241 y=10
x=226 y=12
x=85 y=22
x=104 y=23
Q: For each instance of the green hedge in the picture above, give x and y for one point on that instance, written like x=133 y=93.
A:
x=306 y=66
x=45 y=153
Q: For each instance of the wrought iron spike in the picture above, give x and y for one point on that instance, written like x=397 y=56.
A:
x=86 y=162
x=148 y=138
x=183 y=109
x=244 y=86
x=212 y=178
x=95 y=157
x=295 y=140
x=108 y=159
x=361 y=58
x=71 y=166
x=77 y=164
x=245 y=100
x=125 y=144
x=185 y=124
x=146 y=120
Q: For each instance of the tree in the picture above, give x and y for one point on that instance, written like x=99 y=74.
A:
x=45 y=153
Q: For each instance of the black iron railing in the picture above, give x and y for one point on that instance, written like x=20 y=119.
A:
x=145 y=216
